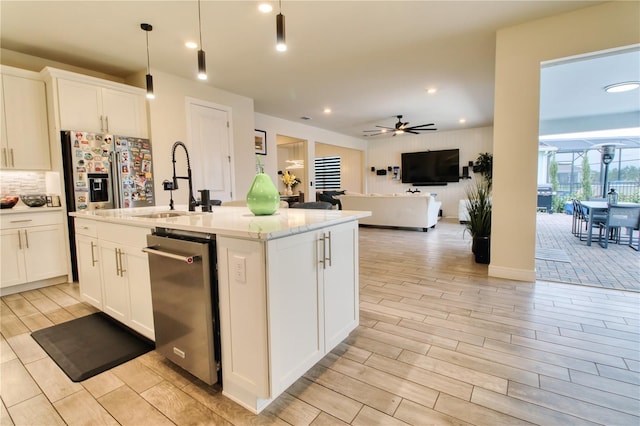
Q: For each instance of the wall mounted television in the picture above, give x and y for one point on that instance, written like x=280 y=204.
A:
x=431 y=167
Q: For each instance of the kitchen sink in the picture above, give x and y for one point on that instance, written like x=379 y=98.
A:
x=163 y=215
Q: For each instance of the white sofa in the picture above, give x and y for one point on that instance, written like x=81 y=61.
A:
x=463 y=212
x=398 y=210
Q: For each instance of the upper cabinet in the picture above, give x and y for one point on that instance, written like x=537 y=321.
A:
x=24 y=139
x=101 y=106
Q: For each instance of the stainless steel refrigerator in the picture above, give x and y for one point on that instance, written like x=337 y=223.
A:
x=103 y=171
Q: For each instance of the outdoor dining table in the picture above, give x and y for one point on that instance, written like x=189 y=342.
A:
x=594 y=208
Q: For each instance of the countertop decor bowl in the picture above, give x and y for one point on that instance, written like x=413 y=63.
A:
x=8 y=201
x=34 y=200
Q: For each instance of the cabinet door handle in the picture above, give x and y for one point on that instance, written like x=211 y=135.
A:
x=117 y=261
x=324 y=252
x=21 y=221
x=101 y=123
x=19 y=241
x=122 y=270
x=26 y=238
x=4 y=157
x=93 y=256
x=329 y=241
x=13 y=164
x=106 y=120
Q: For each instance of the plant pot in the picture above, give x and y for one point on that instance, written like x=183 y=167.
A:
x=481 y=249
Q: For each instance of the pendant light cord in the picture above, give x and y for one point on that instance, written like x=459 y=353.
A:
x=148 y=63
x=200 y=25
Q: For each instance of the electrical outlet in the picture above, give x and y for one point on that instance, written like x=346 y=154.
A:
x=239 y=265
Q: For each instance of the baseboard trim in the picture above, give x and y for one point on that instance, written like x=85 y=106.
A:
x=512 y=273
x=33 y=285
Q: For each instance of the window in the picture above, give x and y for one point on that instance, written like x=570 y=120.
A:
x=328 y=172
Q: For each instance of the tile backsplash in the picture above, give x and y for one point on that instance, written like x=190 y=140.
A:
x=17 y=183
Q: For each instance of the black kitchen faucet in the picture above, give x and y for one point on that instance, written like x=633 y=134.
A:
x=192 y=200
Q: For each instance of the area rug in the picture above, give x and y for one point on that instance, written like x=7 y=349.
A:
x=89 y=345
x=554 y=255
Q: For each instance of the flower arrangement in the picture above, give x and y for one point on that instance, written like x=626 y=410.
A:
x=289 y=179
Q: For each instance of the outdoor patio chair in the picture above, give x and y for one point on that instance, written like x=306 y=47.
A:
x=619 y=217
x=637 y=228
x=598 y=218
x=578 y=217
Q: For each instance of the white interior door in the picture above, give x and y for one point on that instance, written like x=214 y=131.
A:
x=211 y=147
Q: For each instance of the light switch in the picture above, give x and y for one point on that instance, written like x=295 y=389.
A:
x=239 y=265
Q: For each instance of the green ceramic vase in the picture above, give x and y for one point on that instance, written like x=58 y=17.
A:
x=263 y=197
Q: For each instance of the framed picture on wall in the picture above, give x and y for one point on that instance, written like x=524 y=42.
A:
x=261 y=142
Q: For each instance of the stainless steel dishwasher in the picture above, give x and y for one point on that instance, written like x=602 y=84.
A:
x=184 y=291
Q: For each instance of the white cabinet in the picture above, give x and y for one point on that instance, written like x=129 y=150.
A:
x=88 y=260
x=115 y=281
x=308 y=303
x=340 y=283
x=23 y=112
x=95 y=105
x=33 y=248
x=14 y=270
x=114 y=272
x=313 y=298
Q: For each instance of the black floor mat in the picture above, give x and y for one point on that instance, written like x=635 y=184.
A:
x=89 y=345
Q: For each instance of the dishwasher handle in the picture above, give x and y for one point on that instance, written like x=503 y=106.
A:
x=186 y=259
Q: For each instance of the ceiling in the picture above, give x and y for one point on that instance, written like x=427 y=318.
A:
x=366 y=60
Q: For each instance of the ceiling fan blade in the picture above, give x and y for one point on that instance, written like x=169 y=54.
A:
x=411 y=131
x=388 y=128
x=421 y=125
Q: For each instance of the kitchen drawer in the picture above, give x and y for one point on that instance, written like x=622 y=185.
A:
x=123 y=234
x=86 y=227
x=13 y=221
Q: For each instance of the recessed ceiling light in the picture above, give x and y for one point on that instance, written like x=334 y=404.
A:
x=327 y=110
x=432 y=90
x=622 y=87
x=462 y=120
x=191 y=44
x=265 y=7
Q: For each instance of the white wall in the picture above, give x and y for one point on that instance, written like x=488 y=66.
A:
x=277 y=126
x=168 y=124
x=351 y=165
x=519 y=52
x=386 y=152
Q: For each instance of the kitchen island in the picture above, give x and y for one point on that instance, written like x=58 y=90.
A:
x=287 y=284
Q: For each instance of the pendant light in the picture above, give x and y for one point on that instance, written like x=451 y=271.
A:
x=202 y=65
x=146 y=28
x=281 y=44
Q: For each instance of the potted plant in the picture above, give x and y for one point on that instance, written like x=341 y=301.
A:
x=484 y=166
x=479 y=225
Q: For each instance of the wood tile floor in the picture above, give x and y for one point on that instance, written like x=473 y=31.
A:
x=439 y=343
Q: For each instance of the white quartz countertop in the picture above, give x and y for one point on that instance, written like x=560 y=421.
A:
x=228 y=221
x=21 y=208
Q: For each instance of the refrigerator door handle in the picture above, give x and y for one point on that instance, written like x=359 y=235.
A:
x=115 y=194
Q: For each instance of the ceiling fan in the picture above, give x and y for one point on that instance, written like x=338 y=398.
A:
x=400 y=128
